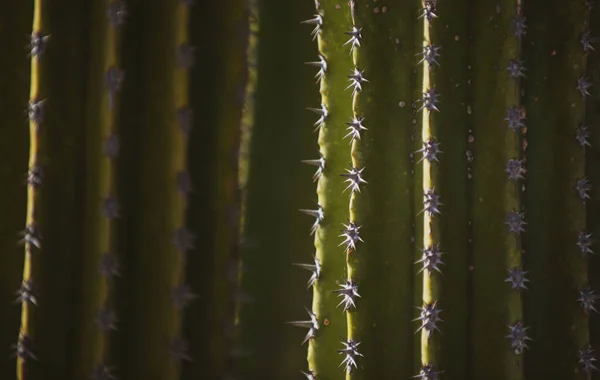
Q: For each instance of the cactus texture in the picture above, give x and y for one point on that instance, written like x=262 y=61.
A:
x=326 y=190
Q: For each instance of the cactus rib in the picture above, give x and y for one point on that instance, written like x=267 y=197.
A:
x=556 y=170
x=382 y=263
x=331 y=21
x=31 y=237
x=498 y=221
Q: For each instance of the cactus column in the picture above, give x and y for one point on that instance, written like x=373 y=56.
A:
x=381 y=265
x=558 y=245
x=31 y=235
x=330 y=23
x=100 y=262
x=499 y=335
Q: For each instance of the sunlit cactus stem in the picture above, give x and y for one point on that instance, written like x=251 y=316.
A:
x=24 y=349
x=381 y=266
x=329 y=24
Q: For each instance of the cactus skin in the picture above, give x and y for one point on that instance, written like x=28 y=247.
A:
x=555 y=162
x=322 y=353
x=496 y=249
x=273 y=347
x=217 y=95
x=450 y=127
x=162 y=236
x=477 y=81
x=99 y=318
x=383 y=265
x=55 y=206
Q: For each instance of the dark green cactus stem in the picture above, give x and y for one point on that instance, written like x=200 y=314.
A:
x=31 y=234
x=164 y=240
x=554 y=45
x=444 y=141
x=382 y=265
x=272 y=346
x=102 y=203
x=497 y=214
x=332 y=20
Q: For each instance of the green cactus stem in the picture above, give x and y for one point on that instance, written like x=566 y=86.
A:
x=499 y=334
x=217 y=95
x=330 y=23
x=556 y=245
x=273 y=346
x=154 y=330
x=444 y=259
x=31 y=235
x=382 y=265
x=100 y=263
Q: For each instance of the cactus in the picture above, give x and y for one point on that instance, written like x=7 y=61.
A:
x=171 y=228
x=484 y=149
